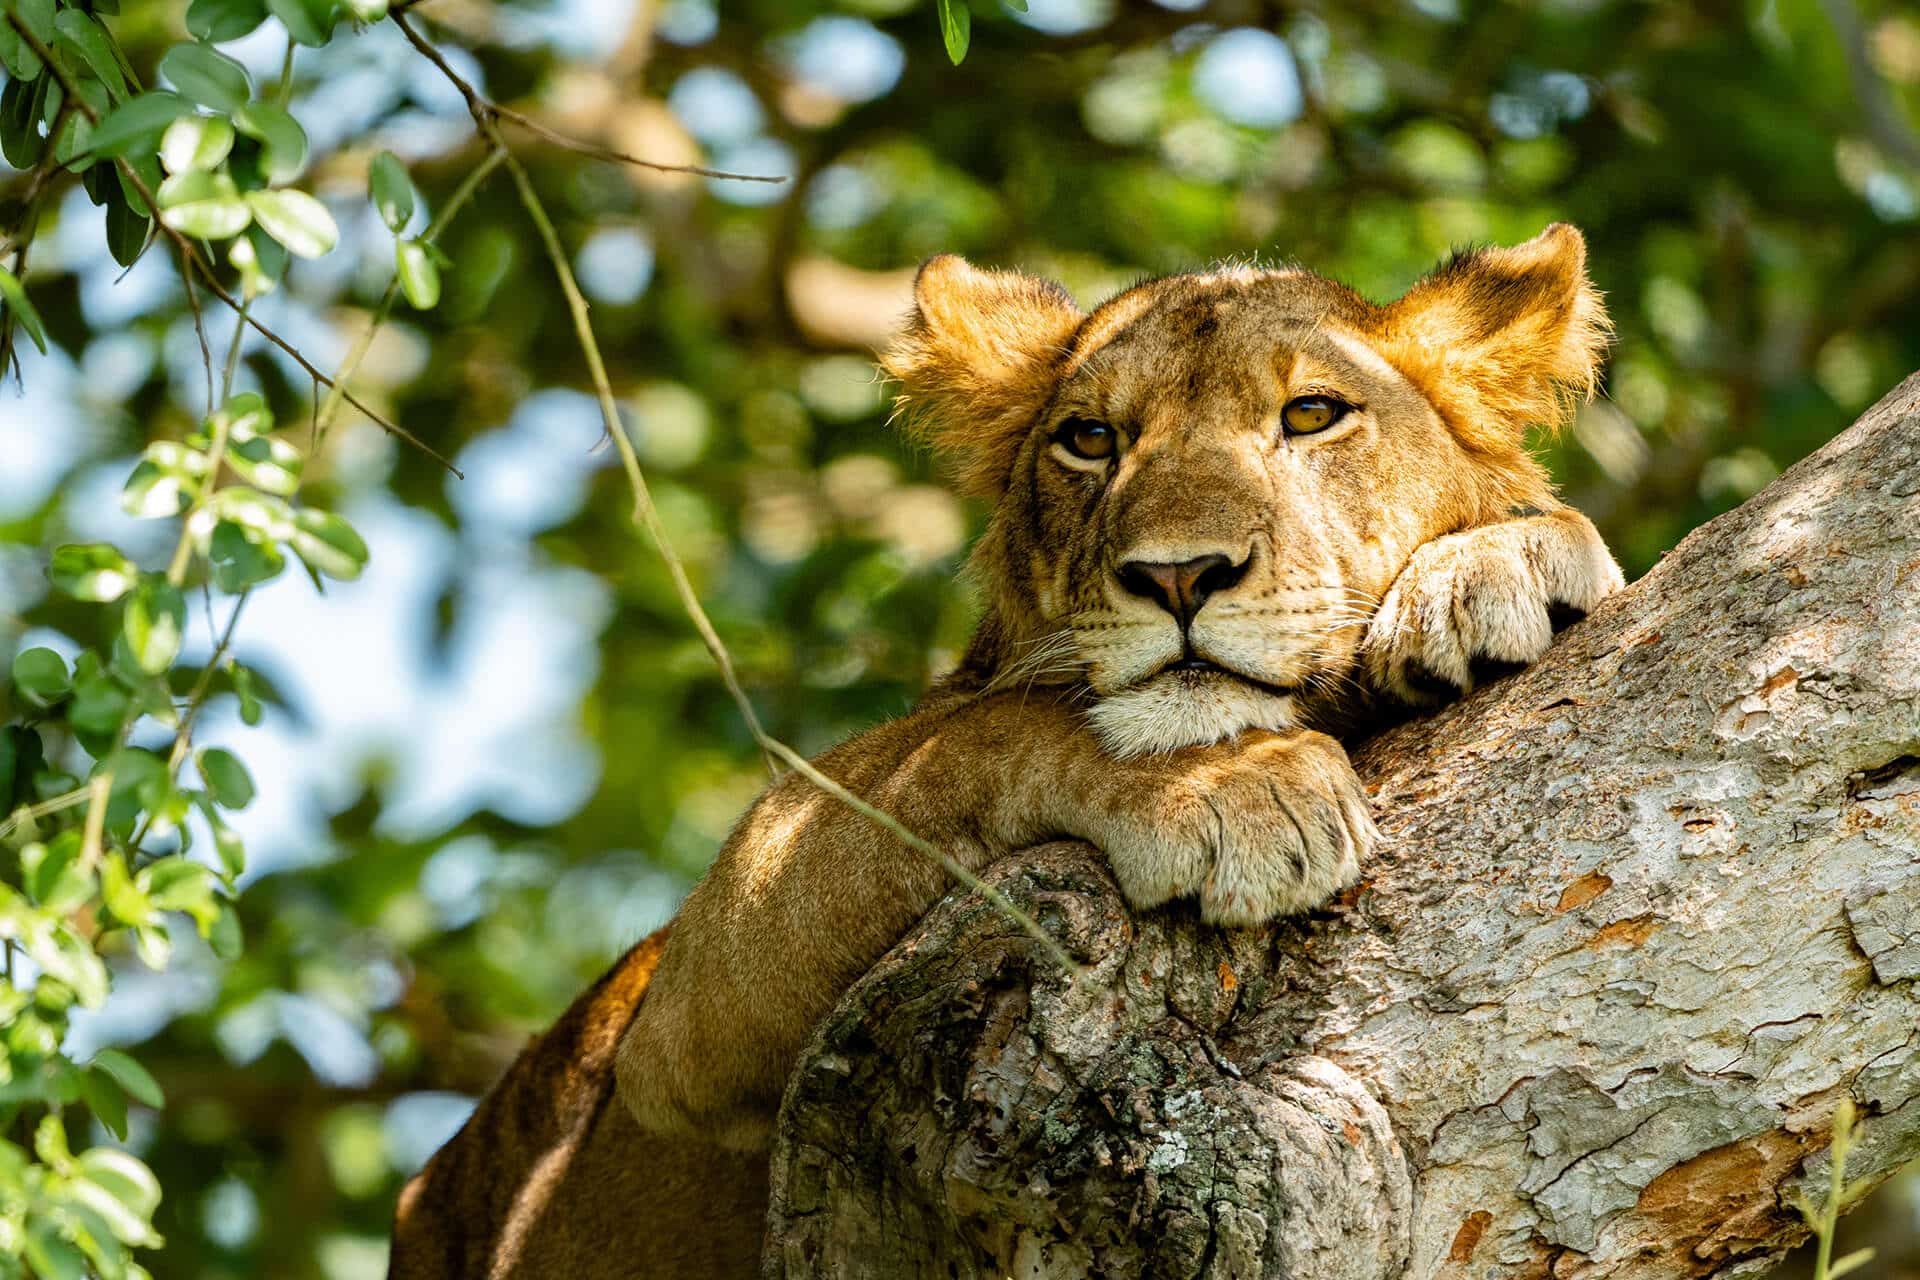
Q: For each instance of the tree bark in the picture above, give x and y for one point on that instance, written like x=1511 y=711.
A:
x=1643 y=915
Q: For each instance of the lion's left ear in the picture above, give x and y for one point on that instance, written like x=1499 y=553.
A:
x=977 y=361
x=1503 y=339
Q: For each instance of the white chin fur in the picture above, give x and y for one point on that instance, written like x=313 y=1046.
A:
x=1175 y=711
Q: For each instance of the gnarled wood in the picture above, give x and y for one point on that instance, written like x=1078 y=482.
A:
x=1645 y=913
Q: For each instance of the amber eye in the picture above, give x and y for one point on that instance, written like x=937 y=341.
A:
x=1305 y=415
x=1085 y=438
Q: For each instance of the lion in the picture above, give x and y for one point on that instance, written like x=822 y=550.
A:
x=1235 y=515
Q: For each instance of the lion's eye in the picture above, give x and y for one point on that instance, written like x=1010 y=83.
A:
x=1085 y=438
x=1305 y=415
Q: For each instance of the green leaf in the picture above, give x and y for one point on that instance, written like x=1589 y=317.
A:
x=119 y=893
x=267 y=462
x=20 y=307
x=226 y=841
x=391 y=191
x=226 y=777
x=280 y=134
x=55 y=877
x=219 y=21
x=248 y=415
x=17 y=56
x=155 y=619
x=419 y=276
x=98 y=707
x=20 y=140
x=71 y=147
x=243 y=689
x=156 y=492
x=107 y=1101
x=296 y=220
x=240 y=560
x=51 y=1256
x=367 y=10
x=956 y=27
x=38 y=15
x=93 y=571
x=83 y=34
x=1018 y=6
x=207 y=76
x=41 y=674
x=328 y=545
x=134 y=1078
x=127 y=230
x=225 y=937
x=180 y=884
x=309 y=22
x=206 y=206
x=130 y=1185
x=138 y=123
x=195 y=142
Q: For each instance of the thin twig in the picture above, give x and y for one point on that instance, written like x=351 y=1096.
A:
x=648 y=516
x=199 y=327
x=479 y=105
x=600 y=152
x=323 y=420
x=199 y=264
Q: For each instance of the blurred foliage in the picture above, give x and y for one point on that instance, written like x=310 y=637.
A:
x=503 y=754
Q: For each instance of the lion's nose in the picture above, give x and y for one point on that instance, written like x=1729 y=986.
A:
x=1181 y=588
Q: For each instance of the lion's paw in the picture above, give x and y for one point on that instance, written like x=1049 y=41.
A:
x=1472 y=606
x=1264 y=826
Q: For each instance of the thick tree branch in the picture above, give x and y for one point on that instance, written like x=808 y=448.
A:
x=1645 y=913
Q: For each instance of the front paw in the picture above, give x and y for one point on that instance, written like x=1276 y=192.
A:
x=1475 y=605
x=1263 y=826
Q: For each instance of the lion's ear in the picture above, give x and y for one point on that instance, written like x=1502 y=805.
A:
x=977 y=361
x=1503 y=339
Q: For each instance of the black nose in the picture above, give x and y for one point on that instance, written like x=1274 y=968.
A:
x=1181 y=588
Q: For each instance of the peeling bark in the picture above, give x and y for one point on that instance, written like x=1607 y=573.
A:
x=1644 y=913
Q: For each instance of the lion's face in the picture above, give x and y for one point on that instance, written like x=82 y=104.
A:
x=1205 y=486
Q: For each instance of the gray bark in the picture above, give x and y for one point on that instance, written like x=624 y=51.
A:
x=1644 y=913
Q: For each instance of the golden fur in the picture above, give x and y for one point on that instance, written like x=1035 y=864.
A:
x=1170 y=634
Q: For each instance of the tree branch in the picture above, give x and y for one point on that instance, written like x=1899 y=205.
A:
x=1644 y=915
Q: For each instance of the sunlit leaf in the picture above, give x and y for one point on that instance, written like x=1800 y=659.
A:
x=195 y=142
x=391 y=191
x=956 y=27
x=92 y=571
x=155 y=619
x=266 y=461
x=328 y=545
x=207 y=206
x=296 y=220
x=419 y=275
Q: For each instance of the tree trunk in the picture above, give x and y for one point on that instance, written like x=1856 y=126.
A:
x=1644 y=913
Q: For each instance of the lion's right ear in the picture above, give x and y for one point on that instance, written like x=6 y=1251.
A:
x=976 y=361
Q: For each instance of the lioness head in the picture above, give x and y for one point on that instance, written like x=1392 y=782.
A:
x=1203 y=488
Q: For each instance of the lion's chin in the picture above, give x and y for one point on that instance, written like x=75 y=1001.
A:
x=1185 y=709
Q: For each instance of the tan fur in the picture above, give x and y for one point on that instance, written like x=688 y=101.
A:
x=1393 y=550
